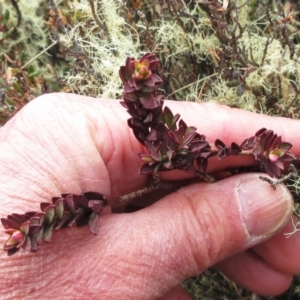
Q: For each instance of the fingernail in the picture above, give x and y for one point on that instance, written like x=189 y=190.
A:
x=263 y=209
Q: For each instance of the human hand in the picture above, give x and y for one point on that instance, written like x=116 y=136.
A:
x=62 y=143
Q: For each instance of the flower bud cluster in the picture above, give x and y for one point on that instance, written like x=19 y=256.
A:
x=268 y=149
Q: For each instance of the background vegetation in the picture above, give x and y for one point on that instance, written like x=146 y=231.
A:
x=240 y=53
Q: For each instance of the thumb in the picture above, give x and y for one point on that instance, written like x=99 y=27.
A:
x=214 y=221
x=201 y=224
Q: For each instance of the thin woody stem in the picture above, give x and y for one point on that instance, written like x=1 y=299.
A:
x=293 y=174
x=245 y=152
x=148 y=189
x=207 y=178
x=101 y=25
x=126 y=199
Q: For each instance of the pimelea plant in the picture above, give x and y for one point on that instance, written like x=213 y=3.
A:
x=169 y=143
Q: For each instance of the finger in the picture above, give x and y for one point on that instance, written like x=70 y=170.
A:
x=176 y=293
x=79 y=128
x=253 y=273
x=118 y=146
x=268 y=268
x=282 y=250
x=145 y=254
x=231 y=124
x=215 y=122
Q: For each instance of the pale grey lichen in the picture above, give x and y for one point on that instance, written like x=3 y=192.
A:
x=33 y=34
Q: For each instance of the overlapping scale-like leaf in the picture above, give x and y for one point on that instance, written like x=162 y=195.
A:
x=28 y=230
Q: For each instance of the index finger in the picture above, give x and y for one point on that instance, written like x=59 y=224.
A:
x=231 y=125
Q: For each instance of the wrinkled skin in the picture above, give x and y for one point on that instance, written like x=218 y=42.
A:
x=65 y=143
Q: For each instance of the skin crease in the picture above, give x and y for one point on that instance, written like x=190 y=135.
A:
x=66 y=143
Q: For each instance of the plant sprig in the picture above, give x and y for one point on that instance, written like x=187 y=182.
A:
x=171 y=144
